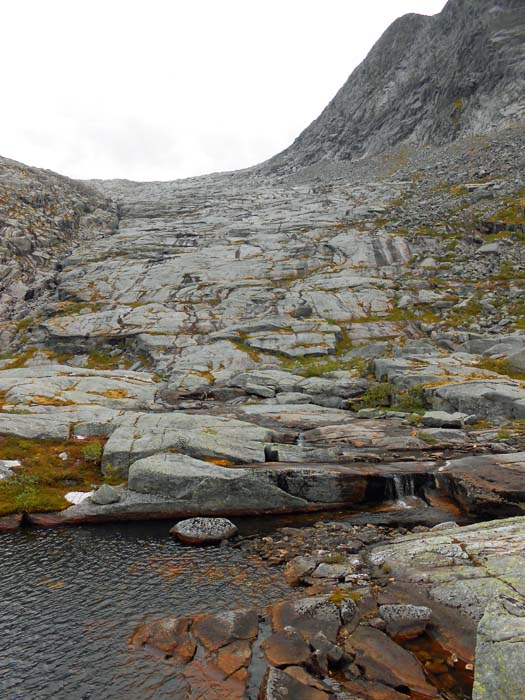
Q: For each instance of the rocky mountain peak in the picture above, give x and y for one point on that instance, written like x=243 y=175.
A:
x=428 y=79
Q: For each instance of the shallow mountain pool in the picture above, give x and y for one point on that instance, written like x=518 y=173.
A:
x=71 y=597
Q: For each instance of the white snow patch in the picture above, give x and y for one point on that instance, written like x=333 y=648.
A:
x=6 y=467
x=76 y=497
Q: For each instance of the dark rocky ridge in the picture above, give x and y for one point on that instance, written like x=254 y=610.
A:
x=427 y=80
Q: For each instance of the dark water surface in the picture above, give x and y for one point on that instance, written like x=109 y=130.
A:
x=71 y=597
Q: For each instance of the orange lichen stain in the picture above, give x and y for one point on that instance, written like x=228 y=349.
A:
x=112 y=393
x=51 y=401
x=218 y=462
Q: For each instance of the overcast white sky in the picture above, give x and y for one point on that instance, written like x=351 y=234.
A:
x=171 y=88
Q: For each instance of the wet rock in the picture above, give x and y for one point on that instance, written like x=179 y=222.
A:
x=10 y=522
x=216 y=631
x=286 y=648
x=386 y=662
x=235 y=656
x=471 y=482
x=207 y=680
x=281 y=685
x=333 y=653
x=298 y=568
x=370 y=690
x=170 y=635
x=204 y=530
x=309 y=616
x=405 y=621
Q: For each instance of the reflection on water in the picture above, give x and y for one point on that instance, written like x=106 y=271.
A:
x=70 y=598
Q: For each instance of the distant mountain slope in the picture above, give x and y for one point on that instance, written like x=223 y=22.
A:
x=427 y=80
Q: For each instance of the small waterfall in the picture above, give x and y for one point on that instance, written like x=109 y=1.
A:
x=400 y=488
x=300 y=440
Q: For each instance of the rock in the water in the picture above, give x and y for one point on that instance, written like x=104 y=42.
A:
x=298 y=568
x=215 y=631
x=204 y=530
x=405 y=621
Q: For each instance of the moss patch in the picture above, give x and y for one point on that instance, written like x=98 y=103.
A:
x=44 y=478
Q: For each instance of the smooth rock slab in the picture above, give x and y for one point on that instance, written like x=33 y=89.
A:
x=204 y=530
x=386 y=662
x=500 y=651
x=487 y=485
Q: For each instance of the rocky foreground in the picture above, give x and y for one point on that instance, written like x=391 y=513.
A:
x=371 y=615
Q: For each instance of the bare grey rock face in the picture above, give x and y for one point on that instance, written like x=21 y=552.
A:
x=500 y=650
x=427 y=80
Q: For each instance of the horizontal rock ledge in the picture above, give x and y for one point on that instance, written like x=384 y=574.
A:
x=175 y=486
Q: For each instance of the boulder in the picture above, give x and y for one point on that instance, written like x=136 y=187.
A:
x=298 y=568
x=216 y=631
x=204 y=530
x=309 y=616
x=105 y=495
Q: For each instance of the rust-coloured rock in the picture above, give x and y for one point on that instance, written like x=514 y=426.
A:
x=11 y=522
x=235 y=656
x=298 y=568
x=207 y=681
x=170 y=635
x=286 y=648
x=386 y=662
x=369 y=690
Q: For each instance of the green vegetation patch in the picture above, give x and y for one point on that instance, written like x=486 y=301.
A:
x=44 y=478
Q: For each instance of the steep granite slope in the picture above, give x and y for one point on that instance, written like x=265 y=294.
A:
x=427 y=80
